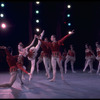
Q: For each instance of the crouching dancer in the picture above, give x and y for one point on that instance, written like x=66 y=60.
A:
x=14 y=64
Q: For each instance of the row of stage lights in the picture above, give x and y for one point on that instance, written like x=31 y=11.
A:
x=68 y=16
x=2 y=24
x=37 y=12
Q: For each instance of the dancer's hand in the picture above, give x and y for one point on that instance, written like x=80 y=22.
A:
x=71 y=32
x=29 y=74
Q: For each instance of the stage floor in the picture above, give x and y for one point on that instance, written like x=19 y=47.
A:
x=75 y=86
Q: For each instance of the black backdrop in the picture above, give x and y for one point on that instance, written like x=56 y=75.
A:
x=85 y=19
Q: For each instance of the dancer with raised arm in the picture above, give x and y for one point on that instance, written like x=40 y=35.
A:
x=13 y=64
x=23 y=52
x=56 y=54
x=32 y=55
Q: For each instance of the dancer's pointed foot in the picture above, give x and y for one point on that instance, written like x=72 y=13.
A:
x=52 y=80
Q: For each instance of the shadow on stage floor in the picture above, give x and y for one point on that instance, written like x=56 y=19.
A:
x=74 y=86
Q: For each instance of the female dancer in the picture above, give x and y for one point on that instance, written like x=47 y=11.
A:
x=89 y=57
x=70 y=57
x=98 y=56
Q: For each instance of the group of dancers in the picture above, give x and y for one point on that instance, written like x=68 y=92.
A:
x=50 y=55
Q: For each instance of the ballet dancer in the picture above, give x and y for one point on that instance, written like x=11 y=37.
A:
x=71 y=57
x=56 y=54
x=89 y=58
x=13 y=62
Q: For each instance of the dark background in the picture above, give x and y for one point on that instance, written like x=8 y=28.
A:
x=85 y=19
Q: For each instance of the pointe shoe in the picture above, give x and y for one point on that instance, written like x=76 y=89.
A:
x=65 y=72
x=97 y=73
x=52 y=80
x=73 y=71
x=83 y=70
x=23 y=78
x=30 y=77
x=48 y=77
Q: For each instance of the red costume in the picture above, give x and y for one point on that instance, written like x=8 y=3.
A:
x=70 y=53
x=12 y=60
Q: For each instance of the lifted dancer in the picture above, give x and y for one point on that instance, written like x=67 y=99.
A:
x=23 y=52
x=32 y=55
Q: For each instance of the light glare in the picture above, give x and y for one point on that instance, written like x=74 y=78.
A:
x=68 y=6
x=37 y=2
x=3 y=25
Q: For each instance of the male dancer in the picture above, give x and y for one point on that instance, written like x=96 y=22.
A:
x=13 y=62
x=70 y=57
x=46 y=57
x=56 y=55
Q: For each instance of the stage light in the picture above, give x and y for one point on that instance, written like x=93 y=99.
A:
x=37 y=29
x=37 y=11
x=37 y=2
x=69 y=32
x=69 y=24
x=37 y=21
x=68 y=6
x=1 y=15
x=68 y=15
x=2 y=5
x=3 y=25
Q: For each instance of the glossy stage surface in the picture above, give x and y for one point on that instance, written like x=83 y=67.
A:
x=74 y=86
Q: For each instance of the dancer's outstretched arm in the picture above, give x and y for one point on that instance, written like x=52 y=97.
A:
x=62 y=40
x=31 y=43
x=39 y=42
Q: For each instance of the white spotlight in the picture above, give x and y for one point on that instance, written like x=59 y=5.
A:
x=69 y=32
x=3 y=25
x=37 y=2
x=2 y=15
x=68 y=6
x=37 y=29
x=37 y=11
x=37 y=21
x=2 y=5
